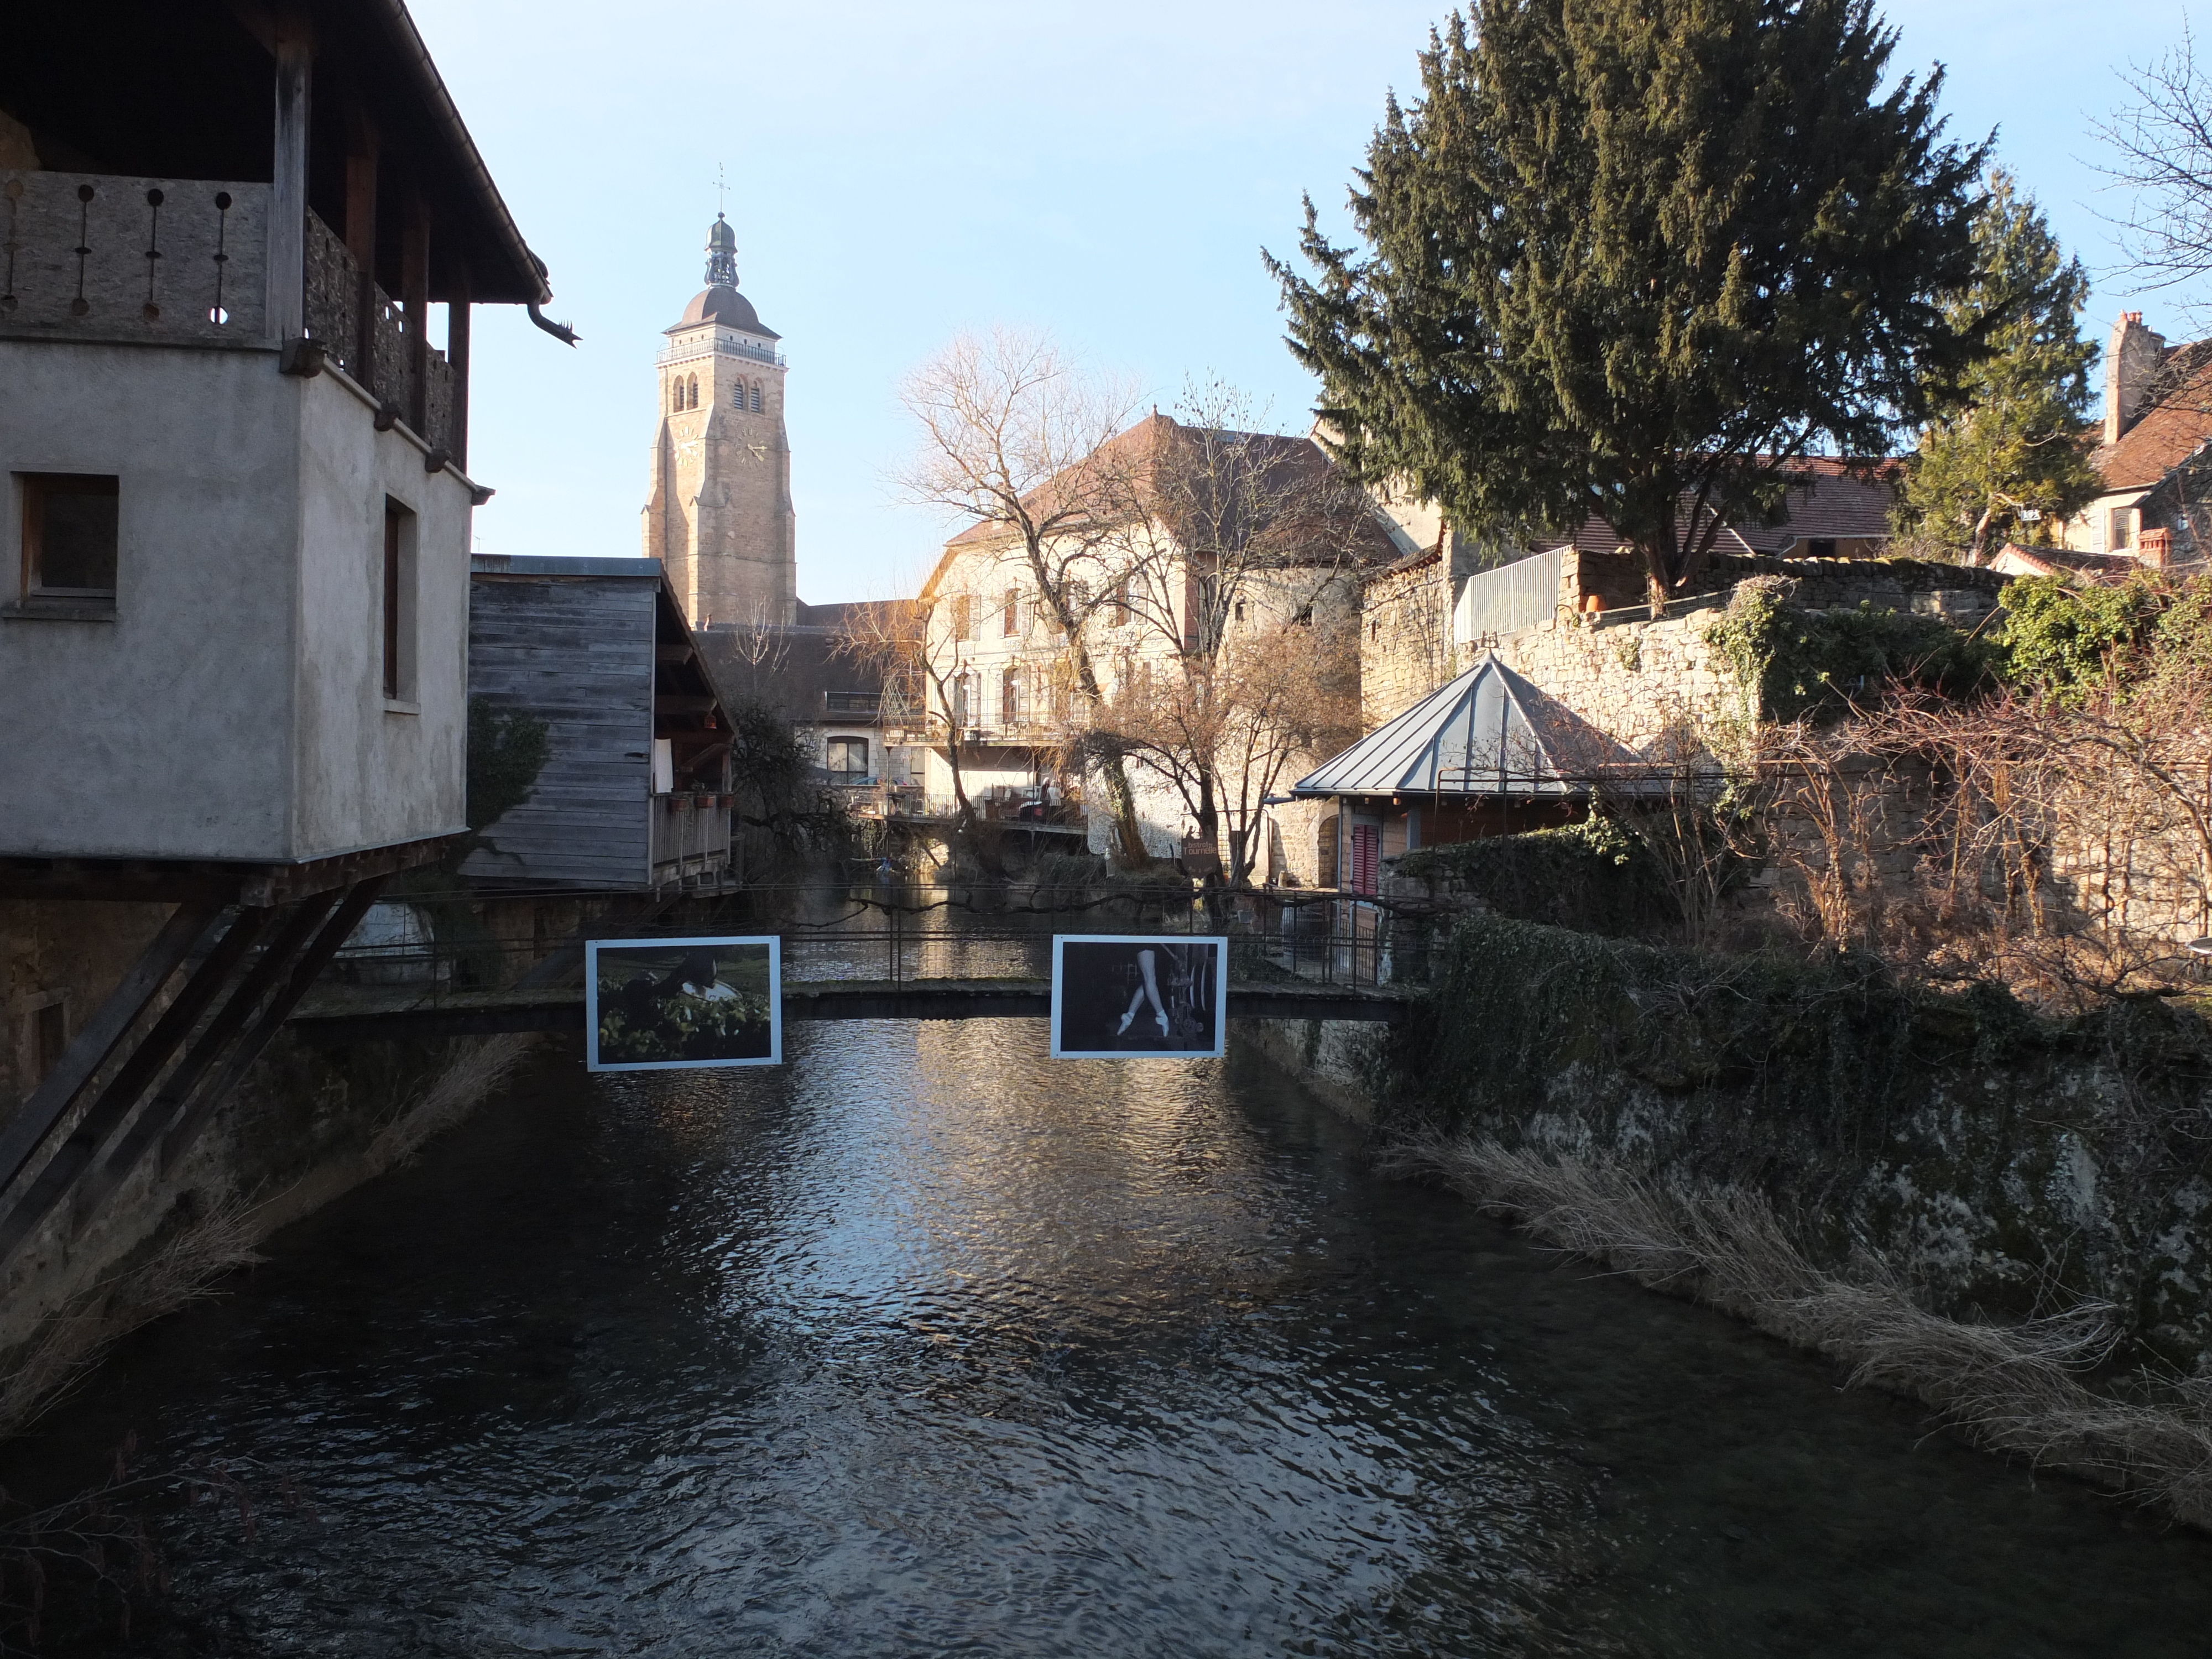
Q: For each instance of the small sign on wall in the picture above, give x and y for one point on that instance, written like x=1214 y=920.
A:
x=654 y=1005
x=1130 y=996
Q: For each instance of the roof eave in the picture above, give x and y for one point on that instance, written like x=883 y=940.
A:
x=527 y=283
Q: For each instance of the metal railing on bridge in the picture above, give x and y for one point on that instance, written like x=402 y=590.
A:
x=1318 y=953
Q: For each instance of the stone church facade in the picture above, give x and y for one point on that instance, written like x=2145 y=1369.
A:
x=719 y=514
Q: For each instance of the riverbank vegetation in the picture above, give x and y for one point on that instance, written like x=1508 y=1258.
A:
x=1957 y=1197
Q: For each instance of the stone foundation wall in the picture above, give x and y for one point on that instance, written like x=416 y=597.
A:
x=1631 y=680
x=1627 y=674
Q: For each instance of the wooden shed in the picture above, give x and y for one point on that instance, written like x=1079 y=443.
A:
x=633 y=793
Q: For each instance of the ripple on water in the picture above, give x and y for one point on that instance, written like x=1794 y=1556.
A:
x=925 y=1343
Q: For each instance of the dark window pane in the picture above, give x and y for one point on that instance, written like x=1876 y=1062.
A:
x=72 y=523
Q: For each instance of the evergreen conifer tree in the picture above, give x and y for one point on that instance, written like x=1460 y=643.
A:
x=2005 y=452
x=1634 y=257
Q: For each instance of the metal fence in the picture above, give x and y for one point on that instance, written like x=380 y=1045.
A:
x=902 y=936
x=1496 y=602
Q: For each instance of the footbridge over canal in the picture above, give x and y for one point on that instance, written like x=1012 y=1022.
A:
x=831 y=974
x=363 y=1013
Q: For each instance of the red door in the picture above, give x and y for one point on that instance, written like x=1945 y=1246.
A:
x=1366 y=857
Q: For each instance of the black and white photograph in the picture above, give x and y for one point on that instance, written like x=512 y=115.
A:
x=663 y=1003
x=1123 y=996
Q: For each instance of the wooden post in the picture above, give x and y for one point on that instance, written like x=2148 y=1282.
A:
x=456 y=355
x=361 y=240
x=287 y=302
x=415 y=295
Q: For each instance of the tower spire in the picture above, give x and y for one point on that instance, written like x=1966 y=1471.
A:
x=722 y=254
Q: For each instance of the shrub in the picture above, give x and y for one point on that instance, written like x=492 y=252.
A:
x=1820 y=663
x=1589 y=876
x=2069 y=642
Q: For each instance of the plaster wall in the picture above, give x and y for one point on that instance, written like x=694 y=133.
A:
x=225 y=710
x=165 y=732
x=372 y=771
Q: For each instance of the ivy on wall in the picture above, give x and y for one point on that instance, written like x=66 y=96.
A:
x=2069 y=642
x=1592 y=877
x=1819 y=663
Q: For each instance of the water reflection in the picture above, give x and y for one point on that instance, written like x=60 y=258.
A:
x=926 y=1344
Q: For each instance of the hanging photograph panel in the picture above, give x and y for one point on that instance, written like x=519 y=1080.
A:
x=1133 y=996
x=652 y=1005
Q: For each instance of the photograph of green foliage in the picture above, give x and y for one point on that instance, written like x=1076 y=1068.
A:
x=659 y=1005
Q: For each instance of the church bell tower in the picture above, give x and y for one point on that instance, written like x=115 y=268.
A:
x=718 y=515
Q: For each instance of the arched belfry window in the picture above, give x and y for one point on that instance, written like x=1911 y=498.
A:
x=675 y=397
x=691 y=400
x=756 y=397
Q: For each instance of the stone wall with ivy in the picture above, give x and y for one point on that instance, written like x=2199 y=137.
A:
x=1998 y=1162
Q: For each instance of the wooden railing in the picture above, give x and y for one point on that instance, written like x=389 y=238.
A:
x=103 y=258
x=691 y=840
x=334 y=291
x=99 y=256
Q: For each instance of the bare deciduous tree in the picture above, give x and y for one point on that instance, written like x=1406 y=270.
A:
x=1014 y=436
x=2062 y=848
x=919 y=669
x=2161 y=151
x=1241 y=561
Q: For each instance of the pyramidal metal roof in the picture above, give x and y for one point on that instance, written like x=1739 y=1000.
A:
x=1489 y=732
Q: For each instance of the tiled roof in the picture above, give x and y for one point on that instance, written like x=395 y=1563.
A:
x=2168 y=432
x=1836 y=502
x=2014 y=560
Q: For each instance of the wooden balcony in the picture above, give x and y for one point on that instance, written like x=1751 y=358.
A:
x=690 y=840
x=169 y=261
x=111 y=260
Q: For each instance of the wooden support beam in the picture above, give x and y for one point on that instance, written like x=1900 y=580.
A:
x=362 y=154
x=456 y=355
x=132 y=1079
x=185 y=928
x=176 y=1090
x=201 y=881
x=309 y=965
x=414 y=296
x=286 y=307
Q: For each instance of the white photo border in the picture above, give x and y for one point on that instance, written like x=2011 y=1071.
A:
x=592 y=949
x=1220 y=941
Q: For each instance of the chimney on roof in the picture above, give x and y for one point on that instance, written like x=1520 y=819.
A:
x=2156 y=548
x=2132 y=364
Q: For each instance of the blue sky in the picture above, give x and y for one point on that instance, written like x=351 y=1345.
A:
x=1108 y=172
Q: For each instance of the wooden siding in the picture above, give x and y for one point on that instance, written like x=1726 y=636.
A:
x=577 y=652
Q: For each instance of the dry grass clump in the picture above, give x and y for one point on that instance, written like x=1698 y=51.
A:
x=181 y=1269
x=2017 y=1388
x=447 y=1098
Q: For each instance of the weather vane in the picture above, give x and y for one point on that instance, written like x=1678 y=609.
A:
x=721 y=191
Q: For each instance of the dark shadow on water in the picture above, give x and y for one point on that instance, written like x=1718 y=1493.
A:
x=924 y=1344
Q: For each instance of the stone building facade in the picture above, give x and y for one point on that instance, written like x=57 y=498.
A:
x=718 y=514
x=1003 y=694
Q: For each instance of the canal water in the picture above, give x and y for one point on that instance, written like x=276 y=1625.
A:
x=924 y=1345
